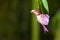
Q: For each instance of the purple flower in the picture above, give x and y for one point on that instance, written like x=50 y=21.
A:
x=42 y=18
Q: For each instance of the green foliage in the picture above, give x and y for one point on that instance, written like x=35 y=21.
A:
x=45 y=4
x=54 y=21
x=57 y=25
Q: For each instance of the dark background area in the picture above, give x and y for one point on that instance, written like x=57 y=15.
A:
x=15 y=20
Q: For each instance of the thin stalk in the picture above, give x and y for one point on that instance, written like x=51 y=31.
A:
x=40 y=6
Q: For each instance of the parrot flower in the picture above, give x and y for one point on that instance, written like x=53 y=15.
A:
x=42 y=18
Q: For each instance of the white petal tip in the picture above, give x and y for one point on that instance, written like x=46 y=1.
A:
x=32 y=11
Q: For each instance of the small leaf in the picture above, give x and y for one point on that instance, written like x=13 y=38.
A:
x=45 y=4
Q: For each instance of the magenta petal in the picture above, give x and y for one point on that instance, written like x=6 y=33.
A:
x=46 y=15
x=45 y=29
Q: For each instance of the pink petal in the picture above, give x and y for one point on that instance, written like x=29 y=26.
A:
x=36 y=12
x=45 y=29
x=46 y=15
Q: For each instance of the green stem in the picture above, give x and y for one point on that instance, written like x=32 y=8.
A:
x=42 y=10
x=34 y=23
x=40 y=6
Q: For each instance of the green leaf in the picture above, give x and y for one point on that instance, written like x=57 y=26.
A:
x=45 y=4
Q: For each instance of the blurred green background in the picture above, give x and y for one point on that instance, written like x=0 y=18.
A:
x=17 y=23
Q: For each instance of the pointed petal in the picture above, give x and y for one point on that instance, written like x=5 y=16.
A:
x=45 y=29
x=36 y=12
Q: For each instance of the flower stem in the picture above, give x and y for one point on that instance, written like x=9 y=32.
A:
x=40 y=6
